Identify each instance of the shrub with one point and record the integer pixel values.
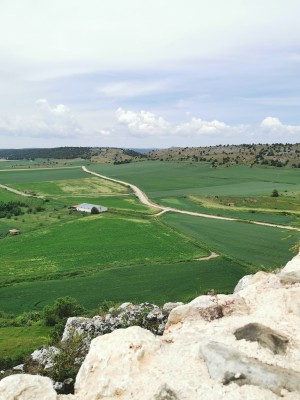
(275, 193)
(62, 308)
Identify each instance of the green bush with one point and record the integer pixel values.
(63, 308)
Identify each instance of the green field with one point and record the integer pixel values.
(200, 188)
(18, 340)
(91, 244)
(206, 206)
(157, 283)
(160, 179)
(126, 254)
(51, 174)
(259, 246)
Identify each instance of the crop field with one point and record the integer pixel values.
(18, 340)
(157, 283)
(161, 179)
(91, 244)
(40, 175)
(126, 255)
(72, 187)
(261, 247)
(200, 188)
(207, 206)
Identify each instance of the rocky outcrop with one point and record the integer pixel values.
(146, 315)
(241, 346)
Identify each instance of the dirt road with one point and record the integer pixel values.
(145, 200)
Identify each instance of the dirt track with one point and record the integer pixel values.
(145, 200)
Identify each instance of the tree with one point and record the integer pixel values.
(275, 193)
(94, 210)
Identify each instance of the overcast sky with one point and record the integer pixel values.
(149, 73)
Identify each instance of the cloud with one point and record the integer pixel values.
(275, 128)
(46, 122)
(145, 123)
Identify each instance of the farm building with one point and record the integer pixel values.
(85, 207)
(14, 231)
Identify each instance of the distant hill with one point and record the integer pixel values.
(274, 155)
(102, 154)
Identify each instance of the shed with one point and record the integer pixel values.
(14, 232)
(86, 207)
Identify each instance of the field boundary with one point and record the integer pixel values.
(145, 200)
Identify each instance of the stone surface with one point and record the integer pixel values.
(44, 356)
(27, 387)
(147, 315)
(228, 365)
(291, 272)
(265, 336)
(242, 283)
(19, 367)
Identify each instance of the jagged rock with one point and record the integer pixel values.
(27, 387)
(19, 367)
(146, 315)
(166, 393)
(44, 356)
(228, 365)
(58, 387)
(242, 283)
(207, 308)
(168, 307)
(113, 373)
(265, 336)
(291, 272)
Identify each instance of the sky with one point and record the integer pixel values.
(141, 73)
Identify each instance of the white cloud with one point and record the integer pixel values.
(275, 128)
(143, 123)
(46, 122)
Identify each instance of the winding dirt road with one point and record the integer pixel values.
(145, 200)
(14, 191)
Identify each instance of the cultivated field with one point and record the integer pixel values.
(126, 253)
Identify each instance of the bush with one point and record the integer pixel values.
(63, 308)
(275, 193)
(68, 361)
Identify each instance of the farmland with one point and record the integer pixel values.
(208, 190)
(123, 252)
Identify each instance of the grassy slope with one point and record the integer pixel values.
(13, 177)
(260, 246)
(16, 340)
(156, 283)
(88, 245)
(159, 179)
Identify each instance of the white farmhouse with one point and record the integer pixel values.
(86, 207)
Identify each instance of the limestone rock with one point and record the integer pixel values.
(265, 336)
(229, 365)
(146, 315)
(27, 387)
(44, 356)
(168, 307)
(242, 283)
(19, 367)
(291, 272)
